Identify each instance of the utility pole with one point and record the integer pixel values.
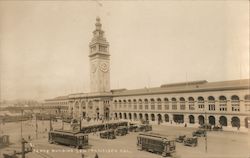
(206, 131)
(62, 122)
(36, 128)
(50, 123)
(21, 124)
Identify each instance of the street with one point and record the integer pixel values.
(220, 144)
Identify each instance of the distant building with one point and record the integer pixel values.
(226, 103)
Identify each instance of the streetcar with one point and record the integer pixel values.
(156, 143)
(70, 138)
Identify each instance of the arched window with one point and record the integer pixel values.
(201, 103)
(129, 104)
(247, 102)
(211, 103)
(83, 105)
(124, 104)
(135, 104)
(174, 104)
(166, 104)
(159, 107)
(182, 103)
(191, 103)
(146, 104)
(115, 103)
(140, 104)
(152, 103)
(223, 103)
(120, 104)
(235, 102)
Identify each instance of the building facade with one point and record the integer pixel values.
(226, 103)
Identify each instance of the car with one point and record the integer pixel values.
(121, 131)
(206, 126)
(180, 138)
(132, 128)
(109, 134)
(191, 141)
(199, 133)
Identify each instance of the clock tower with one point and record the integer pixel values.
(99, 60)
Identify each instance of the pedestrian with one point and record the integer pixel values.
(96, 156)
(82, 155)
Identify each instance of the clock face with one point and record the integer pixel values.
(93, 68)
(104, 67)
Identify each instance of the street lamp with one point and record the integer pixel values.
(205, 130)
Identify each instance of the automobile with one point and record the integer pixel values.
(133, 128)
(121, 131)
(144, 128)
(206, 126)
(191, 141)
(199, 133)
(217, 128)
(180, 138)
(109, 134)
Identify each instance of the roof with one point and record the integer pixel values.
(194, 86)
(67, 132)
(182, 87)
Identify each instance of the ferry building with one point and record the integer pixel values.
(226, 103)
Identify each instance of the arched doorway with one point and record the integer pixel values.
(116, 115)
(106, 113)
(178, 118)
(146, 117)
(211, 120)
(223, 121)
(152, 117)
(125, 116)
(159, 119)
(166, 118)
(235, 121)
(201, 119)
(247, 122)
(135, 116)
(191, 119)
(130, 116)
(97, 113)
(140, 116)
(120, 115)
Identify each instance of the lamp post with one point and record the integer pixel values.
(21, 124)
(205, 130)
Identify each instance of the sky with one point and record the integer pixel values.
(44, 44)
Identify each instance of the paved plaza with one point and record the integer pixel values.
(223, 144)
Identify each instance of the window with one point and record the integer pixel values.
(191, 103)
(182, 103)
(235, 102)
(223, 103)
(247, 102)
(201, 103)
(146, 104)
(166, 104)
(174, 104)
(211, 103)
